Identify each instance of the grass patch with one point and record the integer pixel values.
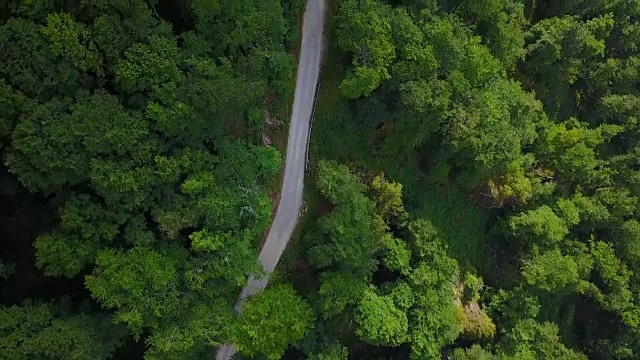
(461, 223)
(335, 134)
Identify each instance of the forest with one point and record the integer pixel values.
(472, 193)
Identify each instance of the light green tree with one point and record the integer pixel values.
(271, 321)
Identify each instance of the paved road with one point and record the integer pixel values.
(291, 198)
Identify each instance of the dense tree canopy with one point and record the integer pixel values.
(138, 133)
(512, 126)
(472, 193)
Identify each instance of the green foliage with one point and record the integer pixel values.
(563, 46)
(40, 331)
(540, 226)
(501, 24)
(190, 333)
(339, 290)
(333, 352)
(461, 224)
(397, 255)
(433, 320)
(145, 67)
(551, 271)
(569, 148)
(44, 153)
(472, 287)
(629, 244)
(336, 182)
(509, 307)
(30, 65)
(7, 269)
(137, 136)
(246, 24)
(352, 233)
(140, 284)
(477, 325)
(52, 148)
(475, 352)
(537, 123)
(364, 29)
(225, 264)
(72, 41)
(516, 145)
(501, 119)
(417, 306)
(388, 198)
(615, 277)
(513, 185)
(271, 321)
(379, 321)
(530, 339)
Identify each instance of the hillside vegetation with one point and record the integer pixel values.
(135, 180)
(473, 191)
(477, 179)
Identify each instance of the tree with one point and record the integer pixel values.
(122, 183)
(563, 46)
(379, 321)
(615, 277)
(364, 29)
(106, 127)
(246, 24)
(510, 307)
(53, 145)
(423, 236)
(72, 41)
(29, 63)
(514, 185)
(540, 226)
(191, 331)
(353, 230)
(333, 352)
(85, 228)
(501, 24)
(475, 352)
(529, 339)
(44, 154)
(137, 136)
(629, 244)
(501, 119)
(145, 67)
(388, 198)
(433, 323)
(336, 182)
(432, 319)
(35, 330)
(271, 321)
(12, 104)
(339, 290)
(141, 285)
(551, 271)
(223, 264)
(397, 256)
(569, 149)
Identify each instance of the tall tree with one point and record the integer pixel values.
(271, 321)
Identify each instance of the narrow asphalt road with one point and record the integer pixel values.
(291, 197)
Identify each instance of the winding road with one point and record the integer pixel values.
(292, 186)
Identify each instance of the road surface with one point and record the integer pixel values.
(291, 197)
